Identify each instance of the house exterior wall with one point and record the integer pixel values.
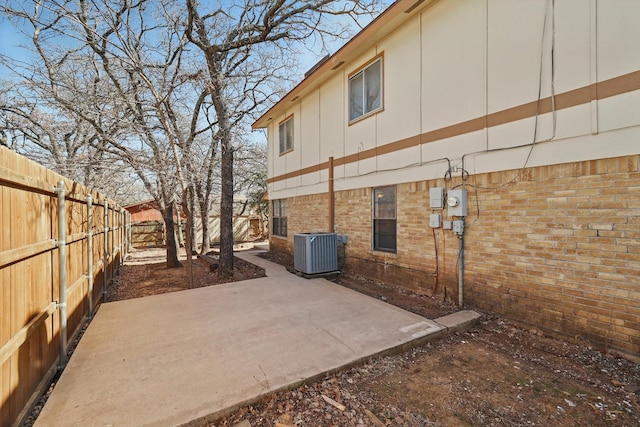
(453, 93)
(559, 249)
(470, 86)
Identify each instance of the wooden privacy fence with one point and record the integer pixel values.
(60, 246)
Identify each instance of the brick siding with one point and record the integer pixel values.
(556, 248)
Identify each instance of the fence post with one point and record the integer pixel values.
(121, 228)
(128, 231)
(62, 253)
(90, 252)
(106, 250)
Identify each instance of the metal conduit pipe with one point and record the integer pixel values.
(461, 270)
(106, 251)
(62, 254)
(90, 252)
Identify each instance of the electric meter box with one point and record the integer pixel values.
(436, 198)
(457, 202)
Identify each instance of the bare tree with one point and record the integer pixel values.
(128, 69)
(251, 173)
(122, 69)
(62, 142)
(244, 47)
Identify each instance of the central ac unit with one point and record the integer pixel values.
(315, 253)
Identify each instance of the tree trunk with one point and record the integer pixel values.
(179, 236)
(203, 204)
(172, 249)
(226, 207)
(188, 208)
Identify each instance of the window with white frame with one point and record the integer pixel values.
(384, 219)
(285, 131)
(279, 218)
(365, 90)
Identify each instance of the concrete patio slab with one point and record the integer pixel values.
(186, 357)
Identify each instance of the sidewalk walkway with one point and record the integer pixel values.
(186, 357)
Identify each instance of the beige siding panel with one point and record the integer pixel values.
(453, 63)
(615, 143)
(333, 99)
(361, 136)
(324, 181)
(574, 121)
(514, 39)
(513, 134)
(620, 111)
(276, 186)
(453, 148)
(293, 182)
(272, 154)
(618, 21)
(310, 179)
(309, 140)
(409, 157)
(360, 168)
(401, 116)
(572, 45)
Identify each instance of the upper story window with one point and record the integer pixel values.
(285, 132)
(365, 90)
(384, 219)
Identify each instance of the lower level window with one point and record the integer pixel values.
(279, 218)
(384, 219)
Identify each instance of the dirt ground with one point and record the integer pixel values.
(496, 374)
(145, 273)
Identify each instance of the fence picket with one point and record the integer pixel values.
(30, 334)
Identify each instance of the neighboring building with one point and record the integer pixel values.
(454, 94)
(144, 211)
(148, 225)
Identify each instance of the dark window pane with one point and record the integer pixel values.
(279, 218)
(384, 234)
(384, 218)
(285, 135)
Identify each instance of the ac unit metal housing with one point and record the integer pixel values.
(315, 253)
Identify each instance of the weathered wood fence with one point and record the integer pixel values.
(60, 246)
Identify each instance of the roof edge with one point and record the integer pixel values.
(336, 60)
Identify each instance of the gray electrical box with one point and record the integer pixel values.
(435, 220)
(457, 202)
(458, 226)
(447, 225)
(436, 198)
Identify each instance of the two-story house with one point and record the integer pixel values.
(488, 149)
